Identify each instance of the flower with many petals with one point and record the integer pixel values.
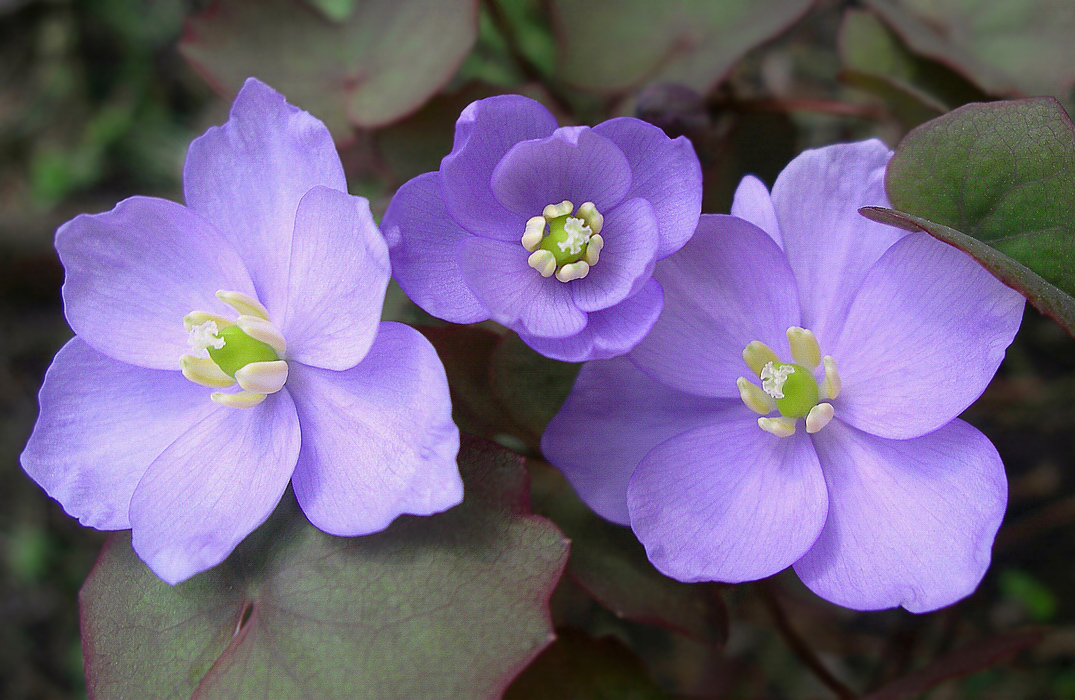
(552, 232)
(231, 346)
(796, 402)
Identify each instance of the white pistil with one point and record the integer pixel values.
(757, 354)
(204, 336)
(593, 218)
(535, 231)
(819, 416)
(578, 235)
(781, 427)
(196, 318)
(242, 399)
(543, 261)
(773, 378)
(555, 211)
(830, 387)
(593, 250)
(262, 377)
(804, 347)
(754, 398)
(202, 370)
(243, 304)
(573, 271)
(260, 329)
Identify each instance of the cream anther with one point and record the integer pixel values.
(204, 336)
(242, 399)
(754, 398)
(202, 370)
(543, 261)
(830, 387)
(573, 271)
(243, 304)
(773, 379)
(819, 417)
(757, 354)
(535, 231)
(804, 347)
(781, 427)
(260, 329)
(196, 318)
(554, 211)
(262, 377)
(593, 218)
(593, 249)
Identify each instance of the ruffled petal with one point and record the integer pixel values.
(102, 423)
(422, 240)
(911, 522)
(339, 273)
(134, 272)
(212, 486)
(575, 164)
(377, 439)
(630, 237)
(728, 501)
(667, 174)
(247, 177)
(484, 132)
(728, 286)
(753, 203)
(829, 244)
(608, 332)
(922, 339)
(514, 293)
(614, 415)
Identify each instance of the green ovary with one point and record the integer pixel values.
(566, 247)
(800, 391)
(239, 350)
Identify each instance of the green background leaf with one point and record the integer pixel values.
(382, 61)
(448, 606)
(613, 46)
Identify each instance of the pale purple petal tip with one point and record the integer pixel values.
(911, 522)
(728, 501)
(425, 259)
(212, 486)
(378, 439)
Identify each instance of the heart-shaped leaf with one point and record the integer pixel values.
(377, 62)
(447, 606)
(1002, 173)
(613, 46)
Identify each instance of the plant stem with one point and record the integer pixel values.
(799, 646)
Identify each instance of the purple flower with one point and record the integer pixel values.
(552, 232)
(858, 345)
(272, 278)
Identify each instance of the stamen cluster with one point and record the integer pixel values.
(564, 244)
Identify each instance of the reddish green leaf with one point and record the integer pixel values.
(609, 563)
(1002, 173)
(614, 46)
(530, 386)
(1008, 47)
(447, 606)
(578, 667)
(382, 60)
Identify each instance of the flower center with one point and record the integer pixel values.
(246, 352)
(565, 243)
(790, 388)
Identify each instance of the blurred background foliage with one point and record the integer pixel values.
(100, 98)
